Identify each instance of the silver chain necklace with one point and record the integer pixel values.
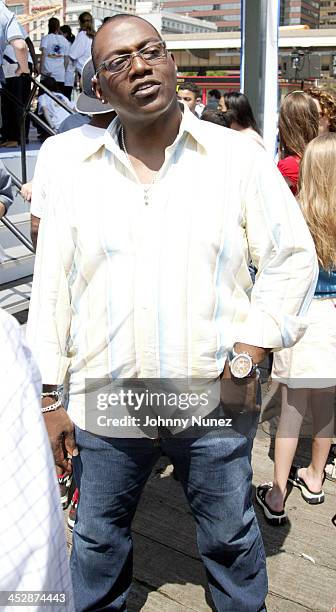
(145, 189)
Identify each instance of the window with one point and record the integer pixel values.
(231, 17)
(202, 7)
(17, 9)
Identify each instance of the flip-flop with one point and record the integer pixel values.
(330, 467)
(330, 470)
(273, 517)
(311, 497)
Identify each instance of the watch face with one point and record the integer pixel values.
(241, 365)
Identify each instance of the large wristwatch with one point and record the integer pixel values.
(241, 365)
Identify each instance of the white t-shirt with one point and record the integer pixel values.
(80, 50)
(69, 77)
(56, 113)
(56, 48)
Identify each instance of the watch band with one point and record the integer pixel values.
(233, 353)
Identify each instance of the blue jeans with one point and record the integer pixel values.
(215, 473)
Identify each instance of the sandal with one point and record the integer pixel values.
(330, 471)
(273, 517)
(311, 497)
(330, 468)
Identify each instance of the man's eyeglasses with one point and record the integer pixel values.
(151, 54)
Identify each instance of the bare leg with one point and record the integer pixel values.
(293, 408)
(322, 404)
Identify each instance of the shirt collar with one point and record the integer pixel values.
(94, 140)
(190, 124)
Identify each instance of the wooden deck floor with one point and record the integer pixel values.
(169, 576)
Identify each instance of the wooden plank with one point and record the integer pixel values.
(163, 506)
(144, 598)
(295, 578)
(156, 522)
(275, 603)
(180, 578)
(170, 577)
(297, 539)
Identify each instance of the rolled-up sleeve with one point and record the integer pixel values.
(283, 252)
(49, 313)
(13, 30)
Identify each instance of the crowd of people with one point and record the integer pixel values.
(132, 283)
(60, 67)
(307, 156)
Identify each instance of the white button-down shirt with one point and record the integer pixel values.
(56, 157)
(128, 289)
(33, 553)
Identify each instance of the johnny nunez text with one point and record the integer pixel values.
(158, 421)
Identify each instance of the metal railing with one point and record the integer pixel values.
(11, 226)
(16, 232)
(26, 111)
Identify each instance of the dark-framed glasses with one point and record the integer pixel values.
(151, 54)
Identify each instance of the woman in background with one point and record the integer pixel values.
(69, 76)
(67, 33)
(307, 371)
(298, 125)
(240, 116)
(80, 50)
(326, 107)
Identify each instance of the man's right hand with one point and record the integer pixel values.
(27, 190)
(61, 432)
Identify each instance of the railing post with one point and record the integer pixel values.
(18, 234)
(26, 109)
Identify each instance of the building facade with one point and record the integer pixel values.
(172, 23)
(19, 7)
(328, 14)
(99, 9)
(225, 14)
(300, 12)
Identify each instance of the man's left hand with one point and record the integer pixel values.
(239, 394)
